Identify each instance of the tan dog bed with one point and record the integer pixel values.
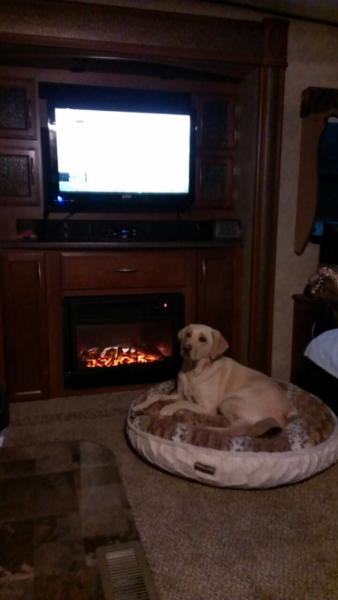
(196, 446)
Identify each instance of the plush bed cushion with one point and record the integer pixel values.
(323, 351)
(197, 447)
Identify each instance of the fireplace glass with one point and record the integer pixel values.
(114, 340)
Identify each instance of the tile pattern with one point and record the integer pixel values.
(58, 503)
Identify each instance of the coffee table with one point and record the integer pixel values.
(59, 502)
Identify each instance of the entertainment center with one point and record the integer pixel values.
(138, 177)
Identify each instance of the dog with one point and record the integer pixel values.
(210, 383)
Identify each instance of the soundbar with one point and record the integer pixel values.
(66, 230)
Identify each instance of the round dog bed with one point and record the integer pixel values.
(197, 447)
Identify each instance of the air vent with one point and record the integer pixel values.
(124, 572)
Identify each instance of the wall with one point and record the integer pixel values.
(312, 61)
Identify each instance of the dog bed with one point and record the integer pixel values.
(197, 447)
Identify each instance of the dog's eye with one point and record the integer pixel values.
(188, 334)
(202, 338)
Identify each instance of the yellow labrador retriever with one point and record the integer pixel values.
(210, 383)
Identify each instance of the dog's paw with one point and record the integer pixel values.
(168, 410)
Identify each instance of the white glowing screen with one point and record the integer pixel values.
(122, 152)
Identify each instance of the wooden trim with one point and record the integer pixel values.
(55, 323)
(264, 229)
(140, 32)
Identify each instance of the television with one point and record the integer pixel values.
(117, 150)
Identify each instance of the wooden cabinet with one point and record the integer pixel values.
(35, 284)
(123, 270)
(218, 293)
(216, 182)
(215, 144)
(19, 177)
(17, 109)
(216, 121)
(25, 324)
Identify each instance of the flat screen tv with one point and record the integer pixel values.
(117, 149)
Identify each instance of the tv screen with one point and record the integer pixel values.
(125, 152)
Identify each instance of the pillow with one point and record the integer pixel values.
(323, 351)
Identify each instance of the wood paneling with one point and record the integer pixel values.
(25, 329)
(123, 270)
(219, 292)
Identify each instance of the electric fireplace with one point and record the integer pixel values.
(122, 339)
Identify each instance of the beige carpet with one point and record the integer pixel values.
(204, 543)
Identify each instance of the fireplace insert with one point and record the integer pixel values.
(121, 339)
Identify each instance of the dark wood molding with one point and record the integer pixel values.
(142, 33)
(264, 229)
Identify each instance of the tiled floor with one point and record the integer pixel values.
(58, 503)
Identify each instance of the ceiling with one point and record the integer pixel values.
(322, 11)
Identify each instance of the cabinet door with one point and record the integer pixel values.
(215, 143)
(219, 299)
(215, 182)
(216, 121)
(17, 109)
(25, 324)
(18, 176)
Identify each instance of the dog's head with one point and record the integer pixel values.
(201, 341)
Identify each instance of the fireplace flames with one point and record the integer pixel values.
(117, 356)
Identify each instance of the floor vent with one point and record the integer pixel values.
(124, 572)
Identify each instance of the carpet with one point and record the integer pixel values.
(205, 543)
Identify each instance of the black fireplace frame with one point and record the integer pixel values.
(74, 377)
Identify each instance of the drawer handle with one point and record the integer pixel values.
(127, 270)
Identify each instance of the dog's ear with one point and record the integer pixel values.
(219, 345)
(182, 332)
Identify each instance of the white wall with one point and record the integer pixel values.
(312, 61)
